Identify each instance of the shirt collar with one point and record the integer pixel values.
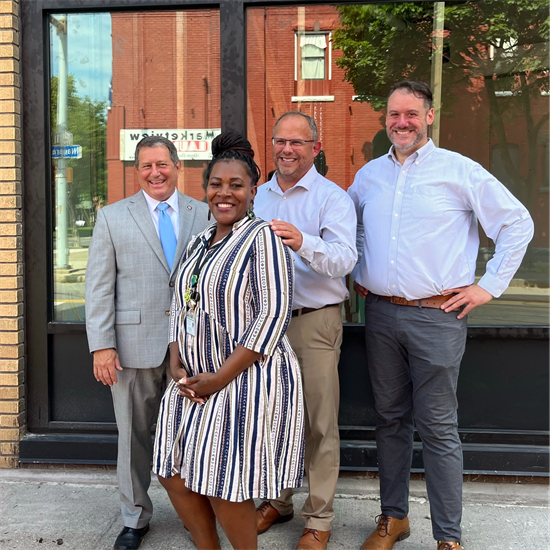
(209, 231)
(306, 182)
(171, 201)
(417, 156)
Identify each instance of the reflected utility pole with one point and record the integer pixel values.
(63, 138)
(437, 66)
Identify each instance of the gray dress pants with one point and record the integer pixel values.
(413, 357)
(136, 398)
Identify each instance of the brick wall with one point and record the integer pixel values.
(12, 405)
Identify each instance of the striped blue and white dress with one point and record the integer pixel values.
(247, 440)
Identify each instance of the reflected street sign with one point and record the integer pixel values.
(67, 152)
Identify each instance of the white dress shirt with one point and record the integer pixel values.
(173, 211)
(418, 233)
(325, 216)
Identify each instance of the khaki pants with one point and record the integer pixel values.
(316, 339)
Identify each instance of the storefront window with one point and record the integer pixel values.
(112, 82)
(487, 62)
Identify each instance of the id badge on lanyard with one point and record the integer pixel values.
(191, 296)
(190, 323)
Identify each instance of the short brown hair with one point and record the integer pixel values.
(419, 89)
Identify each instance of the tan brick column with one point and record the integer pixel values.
(12, 404)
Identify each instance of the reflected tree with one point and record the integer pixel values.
(490, 47)
(88, 124)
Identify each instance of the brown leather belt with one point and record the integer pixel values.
(304, 310)
(432, 301)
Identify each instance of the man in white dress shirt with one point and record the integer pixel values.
(134, 254)
(316, 219)
(417, 209)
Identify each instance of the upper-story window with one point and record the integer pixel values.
(312, 73)
(313, 56)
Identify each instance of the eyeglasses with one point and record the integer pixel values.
(294, 143)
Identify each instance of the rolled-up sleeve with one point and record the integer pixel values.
(271, 281)
(333, 253)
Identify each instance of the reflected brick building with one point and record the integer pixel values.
(176, 55)
(181, 73)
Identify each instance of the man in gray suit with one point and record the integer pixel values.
(133, 258)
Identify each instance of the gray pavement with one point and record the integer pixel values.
(79, 509)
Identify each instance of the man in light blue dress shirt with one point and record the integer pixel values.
(418, 209)
(316, 219)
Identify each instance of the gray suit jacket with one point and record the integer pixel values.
(128, 282)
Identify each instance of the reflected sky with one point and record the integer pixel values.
(89, 46)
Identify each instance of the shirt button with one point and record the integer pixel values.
(403, 172)
(399, 192)
(396, 215)
(172, 283)
(167, 313)
(393, 286)
(393, 238)
(392, 262)
(416, 163)
(284, 198)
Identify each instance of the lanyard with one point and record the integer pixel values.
(191, 295)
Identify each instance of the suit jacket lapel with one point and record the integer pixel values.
(187, 217)
(140, 212)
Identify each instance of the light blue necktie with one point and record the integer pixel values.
(166, 233)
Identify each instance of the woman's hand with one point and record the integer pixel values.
(204, 384)
(179, 375)
(200, 387)
(188, 393)
(208, 383)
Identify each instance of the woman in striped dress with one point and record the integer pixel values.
(230, 426)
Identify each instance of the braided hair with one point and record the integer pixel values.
(232, 146)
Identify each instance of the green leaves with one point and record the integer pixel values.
(384, 43)
(87, 120)
(494, 51)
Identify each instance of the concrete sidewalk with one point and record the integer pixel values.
(79, 509)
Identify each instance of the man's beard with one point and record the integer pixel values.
(420, 136)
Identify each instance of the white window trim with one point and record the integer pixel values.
(297, 51)
(310, 98)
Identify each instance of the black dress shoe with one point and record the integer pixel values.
(130, 539)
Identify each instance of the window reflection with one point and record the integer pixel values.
(80, 82)
(487, 62)
(112, 82)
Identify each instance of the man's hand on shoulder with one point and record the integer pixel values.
(106, 363)
(290, 235)
(470, 296)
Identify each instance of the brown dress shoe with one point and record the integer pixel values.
(388, 531)
(313, 539)
(442, 545)
(266, 516)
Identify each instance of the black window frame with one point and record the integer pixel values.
(36, 142)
